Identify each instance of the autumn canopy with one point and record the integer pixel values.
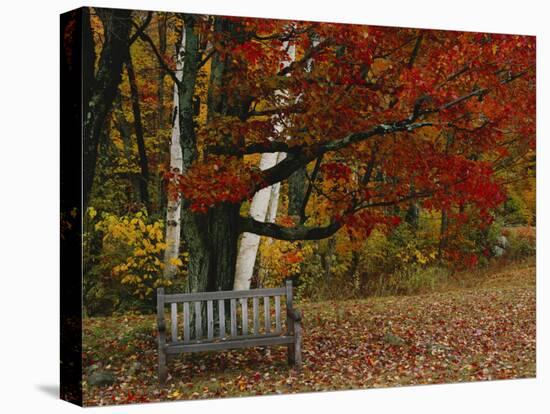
(365, 123)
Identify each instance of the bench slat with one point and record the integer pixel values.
(222, 294)
(235, 338)
(277, 314)
(174, 321)
(233, 317)
(210, 319)
(186, 319)
(198, 320)
(244, 306)
(256, 315)
(267, 315)
(231, 344)
(221, 311)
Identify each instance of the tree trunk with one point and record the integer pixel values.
(126, 134)
(327, 262)
(250, 242)
(161, 27)
(274, 197)
(173, 209)
(138, 128)
(449, 139)
(248, 249)
(211, 238)
(296, 192)
(116, 24)
(412, 215)
(443, 233)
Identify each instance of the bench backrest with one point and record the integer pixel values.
(215, 306)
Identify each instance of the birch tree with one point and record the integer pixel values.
(263, 208)
(173, 209)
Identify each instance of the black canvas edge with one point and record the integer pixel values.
(71, 207)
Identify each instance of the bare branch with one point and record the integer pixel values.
(250, 225)
(141, 28)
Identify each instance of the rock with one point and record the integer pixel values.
(393, 339)
(498, 251)
(502, 241)
(98, 379)
(92, 368)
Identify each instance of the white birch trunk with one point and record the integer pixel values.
(274, 197)
(248, 248)
(173, 210)
(263, 208)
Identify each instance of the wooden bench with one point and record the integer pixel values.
(216, 337)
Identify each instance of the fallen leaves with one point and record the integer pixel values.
(481, 333)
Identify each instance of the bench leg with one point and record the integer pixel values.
(297, 351)
(291, 354)
(163, 371)
(290, 347)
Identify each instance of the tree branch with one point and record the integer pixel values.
(146, 38)
(415, 50)
(305, 58)
(250, 225)
(141, 28)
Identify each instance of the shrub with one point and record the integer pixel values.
(522, 242)
(128, 266)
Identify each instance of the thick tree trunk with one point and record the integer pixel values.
(173, 209)
(116, 24)
(211, 238)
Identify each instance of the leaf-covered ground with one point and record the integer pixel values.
(469, 334)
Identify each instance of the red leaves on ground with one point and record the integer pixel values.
(483, 333)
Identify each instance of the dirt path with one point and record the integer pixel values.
(481, 333)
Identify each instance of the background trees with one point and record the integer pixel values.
(396, 140)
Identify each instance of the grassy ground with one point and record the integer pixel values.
(480, 328)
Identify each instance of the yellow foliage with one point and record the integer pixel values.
(280, 259)
(138, 246)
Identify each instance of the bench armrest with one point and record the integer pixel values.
(295, 314)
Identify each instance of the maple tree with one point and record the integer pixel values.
(372, 120)
(378, 103)
(401, 155)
